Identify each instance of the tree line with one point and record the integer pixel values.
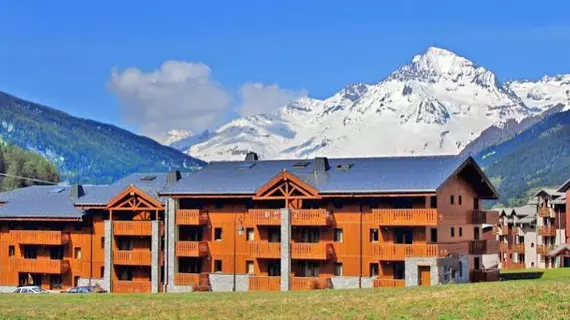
(15, 161)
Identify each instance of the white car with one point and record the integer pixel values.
(30, 289)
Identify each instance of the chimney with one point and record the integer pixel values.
(251, 156)
(172, 177)
(320, 165)
(76, 191)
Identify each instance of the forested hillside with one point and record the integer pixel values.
(537, 157)
(17, 162)
(84, 151)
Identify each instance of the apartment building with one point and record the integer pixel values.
(257, 225)
(529, 234)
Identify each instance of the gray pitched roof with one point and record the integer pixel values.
(550, 192)
(346, 175)
(42, 201)
(149, 183)
(565, 186)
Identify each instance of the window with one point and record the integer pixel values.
(56, 253)
(477, 263)
(338, 204)
(452, 231)
(217, 265)
(249, 267)
(460, 231)
(77, 253)
(532, 264)
(274, 268)
(338, 235)
(452, 199)
(475, 203)
(102, 272)
(433, 235)
(218, 234)
(30, 252)
(77, 227)
(338, 269)
(433, 202)
(460, 267)
(102, 242)
(250, 234)
(373, 269)
(460, 200)
(532, 244)
(373, 235)
(11, 251)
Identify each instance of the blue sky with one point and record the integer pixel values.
(63, 53)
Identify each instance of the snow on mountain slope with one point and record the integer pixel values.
(176, 135)
(546, 93)
(436, 104)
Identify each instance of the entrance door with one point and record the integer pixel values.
(424, 274)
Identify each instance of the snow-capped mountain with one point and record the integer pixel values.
(176, 135)
(436, 104)
(545, 93)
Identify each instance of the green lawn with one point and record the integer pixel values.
(545, 298)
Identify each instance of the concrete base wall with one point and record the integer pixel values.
(7, 289)
(411, 270)
(82, 282)
(224, 282)
(367, 282)
(351, 282)
(179, 289)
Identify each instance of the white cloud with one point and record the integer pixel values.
(178, 95)
(259, 98)
(183, 95)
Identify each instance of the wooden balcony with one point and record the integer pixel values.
(389, 283)
(395, 252)
(187, 279)
(299, 217)
(405, 217)
(192, 217)
(264, 250)
(498, 230)
(46, 266)
(120, 286)
(42, 237)
(546, 213)
(547, 231)
(311, 217)
(132, 228)
(544, 249)
(132, 258)
(485, 217)
(517, 247)
(191, 249)
(263, 283)
(312, 251)
(484, 247)
(308, 283)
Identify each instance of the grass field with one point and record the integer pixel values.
(545, 298)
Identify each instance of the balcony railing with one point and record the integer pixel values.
(307, 283)
(192, 217)
(261, 283)
(186, 279)
(512, 265)
(547, 231)
(132, 228)
(544, 249)
(405, 217)
(46, 266)
(132, 258)
(485, 217)
(43, 237)
(383, 251)
(484, 247)
(503, 247)
(299, 217)
(191, 249)
(498, 230)
(264, 250)
(545, 212)
(517, 247)
(120, 286)
(389, 283)
(311, 251)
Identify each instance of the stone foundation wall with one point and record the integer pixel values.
(224, 282)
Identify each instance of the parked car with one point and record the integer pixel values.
(30, 289)
(86, 289)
